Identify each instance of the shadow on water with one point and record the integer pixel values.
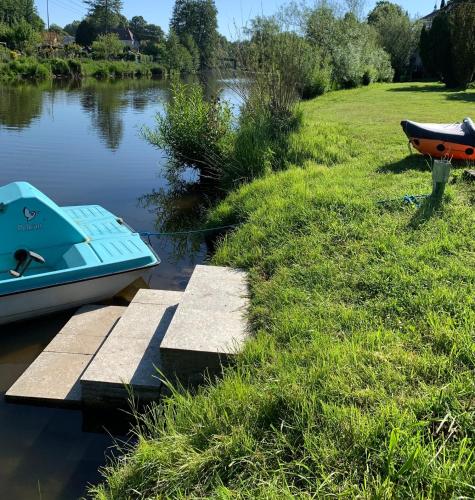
(43, 452)
(179, 209)
(410, 163)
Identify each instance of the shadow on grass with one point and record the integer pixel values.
(462, 97)
(452, 94)
(430, 207)
(429, 87)
(413, 162)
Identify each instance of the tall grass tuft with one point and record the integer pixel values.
(194, 133)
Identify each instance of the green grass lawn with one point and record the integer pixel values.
(360, 379)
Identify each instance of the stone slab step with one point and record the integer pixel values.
(209, 327)
(53, 378)
(129, 358)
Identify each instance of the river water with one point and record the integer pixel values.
(79, 144)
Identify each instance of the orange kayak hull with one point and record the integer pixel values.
(438, 140)
(442, 149)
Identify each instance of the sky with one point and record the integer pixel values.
(231, 13)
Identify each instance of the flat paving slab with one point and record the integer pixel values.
(130, 357)
(53, 378)
(210, 324)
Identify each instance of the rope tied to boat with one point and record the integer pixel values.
(149, 235)
(408, 199)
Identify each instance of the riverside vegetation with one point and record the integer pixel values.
(108, 45)
(359, 379)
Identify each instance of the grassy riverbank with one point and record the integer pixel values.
(29, 69)
(360, 379)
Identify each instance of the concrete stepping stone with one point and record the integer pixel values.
(209, 326)
(53, 378)
(129, 358)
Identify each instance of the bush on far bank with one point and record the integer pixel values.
(16, 69)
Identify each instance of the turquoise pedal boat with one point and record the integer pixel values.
(54, 258)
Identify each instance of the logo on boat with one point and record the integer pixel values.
(29, 214)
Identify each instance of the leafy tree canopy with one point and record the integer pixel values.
(14, 11)
(448, 48)
(85, 33)
(54, 28)
(105, 14)
(144, 31)
(398, 35)
(197, 18)
(72, 28)
(384, 9)
(107, 46)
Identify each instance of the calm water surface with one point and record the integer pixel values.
(79, 146)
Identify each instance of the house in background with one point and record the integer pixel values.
(127, 38)
(429, 19)
(50, 39)
(68, 40)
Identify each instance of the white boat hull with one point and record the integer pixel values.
(34, 303)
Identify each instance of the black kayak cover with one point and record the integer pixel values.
(458, 133)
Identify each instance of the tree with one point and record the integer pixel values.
(442, 4)
(349, 50)
(85, 33)
(138, 26)
(322, 30)
(356, 7)
(383, 9)
(462, 23)
(14, 11)
(72, 28)
(105, 14)
(178, 57)
(20, 36)
(144, 31)
(397, 33)
(157, 50)
(426, 51)
(193, 50)
(436, 49)
(197, 18)
(54, 28)
(107, 46)
(154, 33)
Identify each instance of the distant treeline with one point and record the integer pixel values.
(340, 47)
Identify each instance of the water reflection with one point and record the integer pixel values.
(105, 102)
(80, 144)
(177, 209)
(19, 106)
